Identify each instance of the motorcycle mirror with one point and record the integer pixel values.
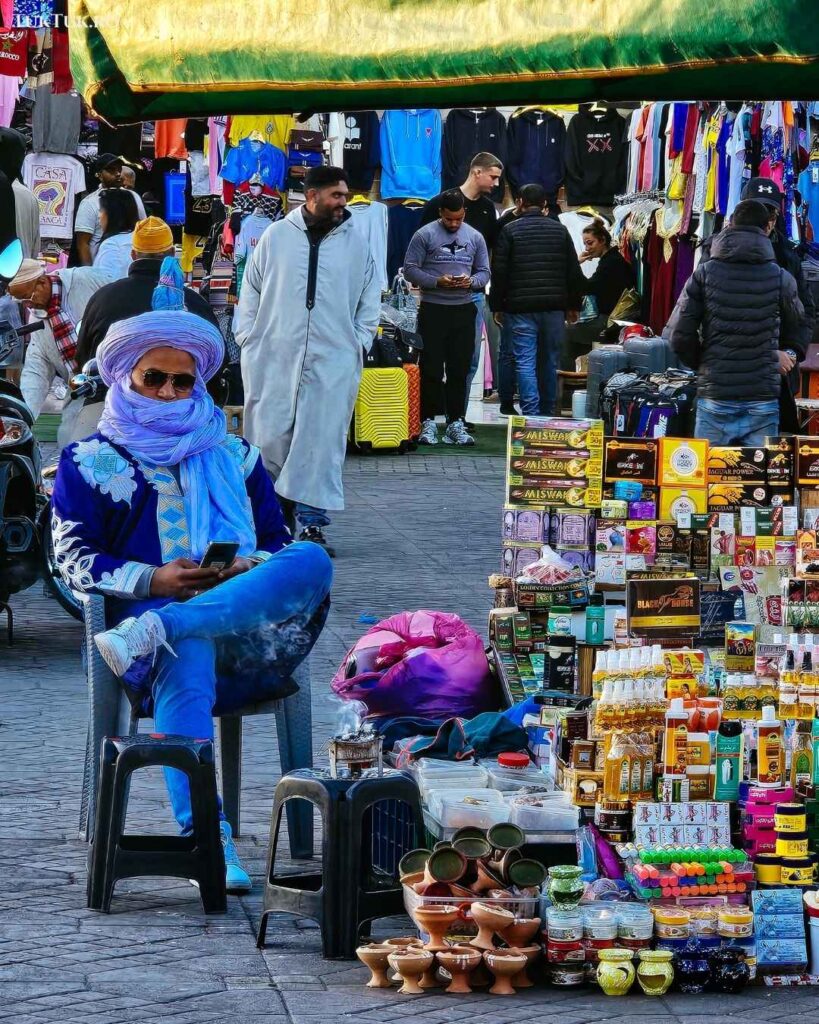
(77, 380)
(10, 259)
(90, 368)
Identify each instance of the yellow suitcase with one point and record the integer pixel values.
(381, 415)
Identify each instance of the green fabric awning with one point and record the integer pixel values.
(145, 59)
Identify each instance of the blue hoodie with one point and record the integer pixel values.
(410, 154)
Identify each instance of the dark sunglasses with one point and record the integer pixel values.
(158, 378)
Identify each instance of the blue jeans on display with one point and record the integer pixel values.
(235, 644)
(308, 515)
(537, 341)
(737, 423)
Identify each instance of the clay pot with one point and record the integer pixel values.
(504, 964)
(442, 844)
(468, 832)
(402, 942)
(486, 879)
(411, 964)
(522, 979)
(440, 890)
(526, 872)
(472, 847)
(521, 931)
(459, 961)
(654, 971)
(374, 955)
(413, 879)
(501, 867)
(445, 865)
(415, 860)
(490, 921)
(436, 921)
(729, 971)
(505, 836)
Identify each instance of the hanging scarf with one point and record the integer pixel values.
(188, 433)
(62, 326)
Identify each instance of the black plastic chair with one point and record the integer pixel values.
(115, 854)
(367, 825)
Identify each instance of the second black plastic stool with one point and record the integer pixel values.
(114, 855)
(346, 894)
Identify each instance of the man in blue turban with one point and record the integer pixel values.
(135, 507)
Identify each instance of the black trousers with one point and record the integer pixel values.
(448, 333)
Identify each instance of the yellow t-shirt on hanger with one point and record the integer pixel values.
(274, 128)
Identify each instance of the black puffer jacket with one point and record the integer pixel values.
(535, 267)
(729, 319)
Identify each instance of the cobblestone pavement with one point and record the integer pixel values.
(419, 532)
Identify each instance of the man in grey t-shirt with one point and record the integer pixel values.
(87, 227)
(448, 261)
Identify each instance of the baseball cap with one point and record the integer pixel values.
(105, 160)
(152, 235)
(764, 190)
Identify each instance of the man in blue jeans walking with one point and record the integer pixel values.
(737, 323)
(536, 284)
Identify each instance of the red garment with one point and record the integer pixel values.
(63, 80)
(641, 135)
(13, 52)
(691, 126)
(169, 138)
(663, 274)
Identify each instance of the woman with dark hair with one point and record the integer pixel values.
(611, 278)
(118, 218)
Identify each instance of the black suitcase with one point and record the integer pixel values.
(650, 355)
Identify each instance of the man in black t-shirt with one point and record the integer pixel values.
(485, 171)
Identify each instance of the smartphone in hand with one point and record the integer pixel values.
(219, 555)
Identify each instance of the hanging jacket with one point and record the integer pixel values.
(410, 154)
(596, 158)
(729, 320)
(535, 267)
(536, 141)
(467, 133)
(251, 157)
(361, 147)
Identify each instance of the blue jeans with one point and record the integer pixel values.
(308, 515)
(537, 340)
(506, 366)
(737, 423)
(234, 644)
(479, 298)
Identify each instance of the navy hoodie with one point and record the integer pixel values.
(537, 141)
(467, 133)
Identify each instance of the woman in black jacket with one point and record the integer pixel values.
(612, 276)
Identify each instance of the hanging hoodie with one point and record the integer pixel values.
(410, 154)
(467, 133)
(537, 139)
(361, 147)
(252, 157)
(597, 148)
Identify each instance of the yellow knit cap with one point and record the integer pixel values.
(152, 235)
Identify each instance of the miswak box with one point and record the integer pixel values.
(526, 432)
(566, 464)
(733, 497)
(663, 607)
(676, 500)
(630, 459)
(733, 464)
(574, 493)
(683, 462)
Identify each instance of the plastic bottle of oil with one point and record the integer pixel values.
(770, 754)
(802, 754)
(675, 741)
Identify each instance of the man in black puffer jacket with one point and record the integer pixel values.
(728, 324)
(536, 283)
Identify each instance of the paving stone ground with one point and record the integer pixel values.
(419, 531)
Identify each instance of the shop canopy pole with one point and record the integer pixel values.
(158, 59)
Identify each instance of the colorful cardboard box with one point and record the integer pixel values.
(683, 462)
(630, 459)
(676, 500)
(663, 607)
(734, 464)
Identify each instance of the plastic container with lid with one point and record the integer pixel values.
(634, 922)
(534, 814)
(768, 869)
(790, 818)
(599, 923)
(796, 871)
(672, 922)
(792, 844)
(564, 925)
(510, 772)
(735, 923)
(703, 920)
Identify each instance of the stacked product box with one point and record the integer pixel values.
(554, 462)
(682, 476)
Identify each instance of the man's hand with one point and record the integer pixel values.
(447, 281)
(465, 281)
(572, 316)
(498, 318)
(236, 568)
(786, 363)
(182, 579)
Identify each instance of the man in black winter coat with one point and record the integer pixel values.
(735, 312)
(536, 283)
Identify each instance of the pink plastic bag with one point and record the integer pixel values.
(426, 664)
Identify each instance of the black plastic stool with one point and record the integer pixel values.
(352, 888)
(114, 855)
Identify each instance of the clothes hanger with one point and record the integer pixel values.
(359, 199)
(414, 201)
(598, 108)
